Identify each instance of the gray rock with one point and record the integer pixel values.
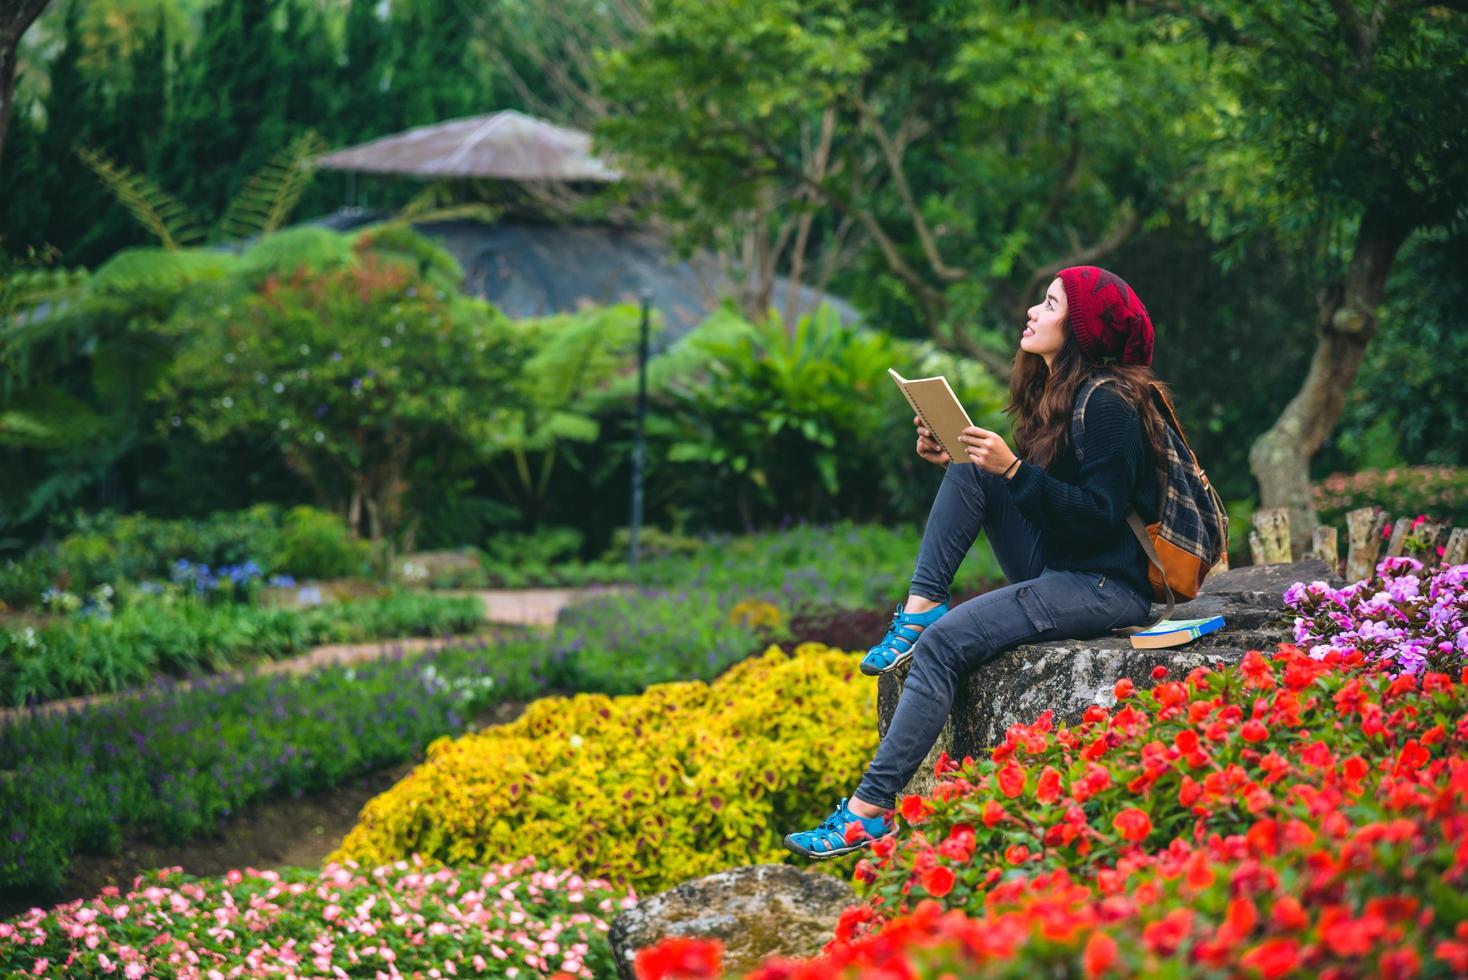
(1068, 676)
(755, 911)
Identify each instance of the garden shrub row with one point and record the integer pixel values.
(404, 919)
(1440, 492)
(110, 549)
(1304, 813)
(178, 635)
(652, 789)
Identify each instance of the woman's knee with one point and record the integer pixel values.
(942, 646)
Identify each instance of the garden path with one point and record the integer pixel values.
(502, 608)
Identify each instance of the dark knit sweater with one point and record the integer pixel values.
(1080, 509)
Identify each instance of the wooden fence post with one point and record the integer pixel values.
(1270, 539)
(1324, 545)
(1364, 528)
(1456, 550)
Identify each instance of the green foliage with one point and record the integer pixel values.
(105, 548)
(804, 421)
(176, 635)
(348, 373)
(315, 544)
(730, 96)
(1409, 403)
(561, 365)
(151, 206)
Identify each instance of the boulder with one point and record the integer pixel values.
(1068, 676)
(755, 911)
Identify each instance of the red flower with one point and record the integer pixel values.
(1165, 936)
(1170, 694)
(1186, 741)
(914, 808)
(677, 957)
(1159, 672)
(1048, 789)
(1016, 854)
(1133, 824)
(1100, 954)
(1273, 957)
(1189, 792)
(993, 813)
(1288, 914)
(938, 880)
(1012, 780)
(1124, 689)
(1242, 916)
(1254, 731)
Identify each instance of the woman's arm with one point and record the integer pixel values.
(1108, 473)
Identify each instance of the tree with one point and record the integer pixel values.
(953, 192)
(16, 17)
(349, 366)
(1345, 144)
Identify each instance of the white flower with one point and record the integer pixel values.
(279, 387)
(227, 402)
(387, 341)
(319, 436)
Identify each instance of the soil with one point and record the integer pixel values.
(282, 833)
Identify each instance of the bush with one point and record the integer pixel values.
(683, 780)
(315, 544)
(340, 921)
(1438, 491)
(107, 548)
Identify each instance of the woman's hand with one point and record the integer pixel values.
(927, 446)
(987, 449)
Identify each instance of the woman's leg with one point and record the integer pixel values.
(1054, 604)
(971, 499)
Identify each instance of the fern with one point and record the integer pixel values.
(154, 208)
(272, 192)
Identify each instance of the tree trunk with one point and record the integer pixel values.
(16, 17)
(1345, 324)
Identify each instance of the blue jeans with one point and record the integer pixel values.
(1039, 604)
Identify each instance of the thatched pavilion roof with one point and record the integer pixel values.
(507, 145)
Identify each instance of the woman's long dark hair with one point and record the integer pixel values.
(1041, 400)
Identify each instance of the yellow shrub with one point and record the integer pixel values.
(756, 614)
(647, 790)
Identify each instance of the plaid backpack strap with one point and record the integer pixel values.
(1078, 420)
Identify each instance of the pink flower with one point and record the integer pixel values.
(41, 965)
(134, 971)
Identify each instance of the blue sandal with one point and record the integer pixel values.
(896, 647)
(830, 838)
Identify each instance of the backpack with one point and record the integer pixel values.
(1190, 535)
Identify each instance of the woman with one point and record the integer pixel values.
(1057, 526)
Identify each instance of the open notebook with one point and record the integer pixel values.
(936, 404)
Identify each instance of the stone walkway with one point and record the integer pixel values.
(536, 608)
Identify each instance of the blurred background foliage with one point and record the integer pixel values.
(1032, 133)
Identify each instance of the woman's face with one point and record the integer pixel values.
(1047, 326)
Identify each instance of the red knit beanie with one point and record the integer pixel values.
(1106, 318)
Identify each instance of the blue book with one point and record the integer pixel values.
(1175, 632)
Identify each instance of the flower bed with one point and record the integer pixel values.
(103, 652)
(402, 919)
(1304, 814)
(683, 780)
(172, 763)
